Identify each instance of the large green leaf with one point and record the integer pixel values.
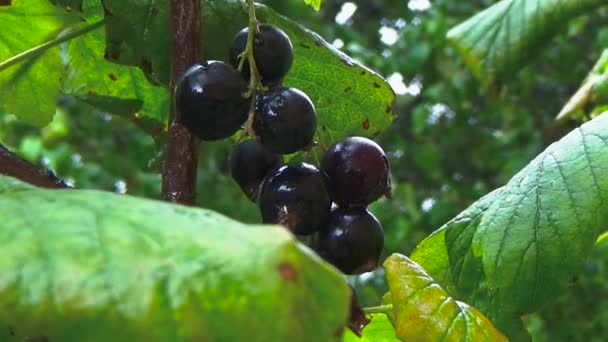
(87, 8)
(29, 89)
(518, 247)
(95, 266)
(425, 312)
(350, 99)
(498, 40)
(124, 89)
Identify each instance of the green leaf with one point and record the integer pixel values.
(499, 40)
(350, 99)
(84, 73)
(379, 329)
(316, 4)
(518, 247)
(80, 7)
(70, 5)
(115, 88)
(593, 91)
(83, 265)
(425, 312)
(29, 89)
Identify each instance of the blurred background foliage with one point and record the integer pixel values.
(451, 143)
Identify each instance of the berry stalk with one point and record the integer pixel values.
(384, 309)
(181, 158)
(255, 83)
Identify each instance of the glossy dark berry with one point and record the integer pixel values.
(273, 53)
(357, 172)
(209, 100)
(352, 240)
(295, 196)
(250, 162)
(285, 120)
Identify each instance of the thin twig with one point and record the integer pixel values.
(12, 165)
(179, 167)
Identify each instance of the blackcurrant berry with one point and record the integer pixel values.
(285, 120)
(352, 240)
(250, 162)
(273, 53)
(295, 196)
(357, 172)
(209, 100)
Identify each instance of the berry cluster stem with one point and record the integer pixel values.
(255, 82)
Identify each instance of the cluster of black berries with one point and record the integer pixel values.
(329, 203)
(211, 102)
(354, 172)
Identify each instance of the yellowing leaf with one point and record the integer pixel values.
(425, 312)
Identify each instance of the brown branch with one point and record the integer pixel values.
(12, 165)
(179, 167)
